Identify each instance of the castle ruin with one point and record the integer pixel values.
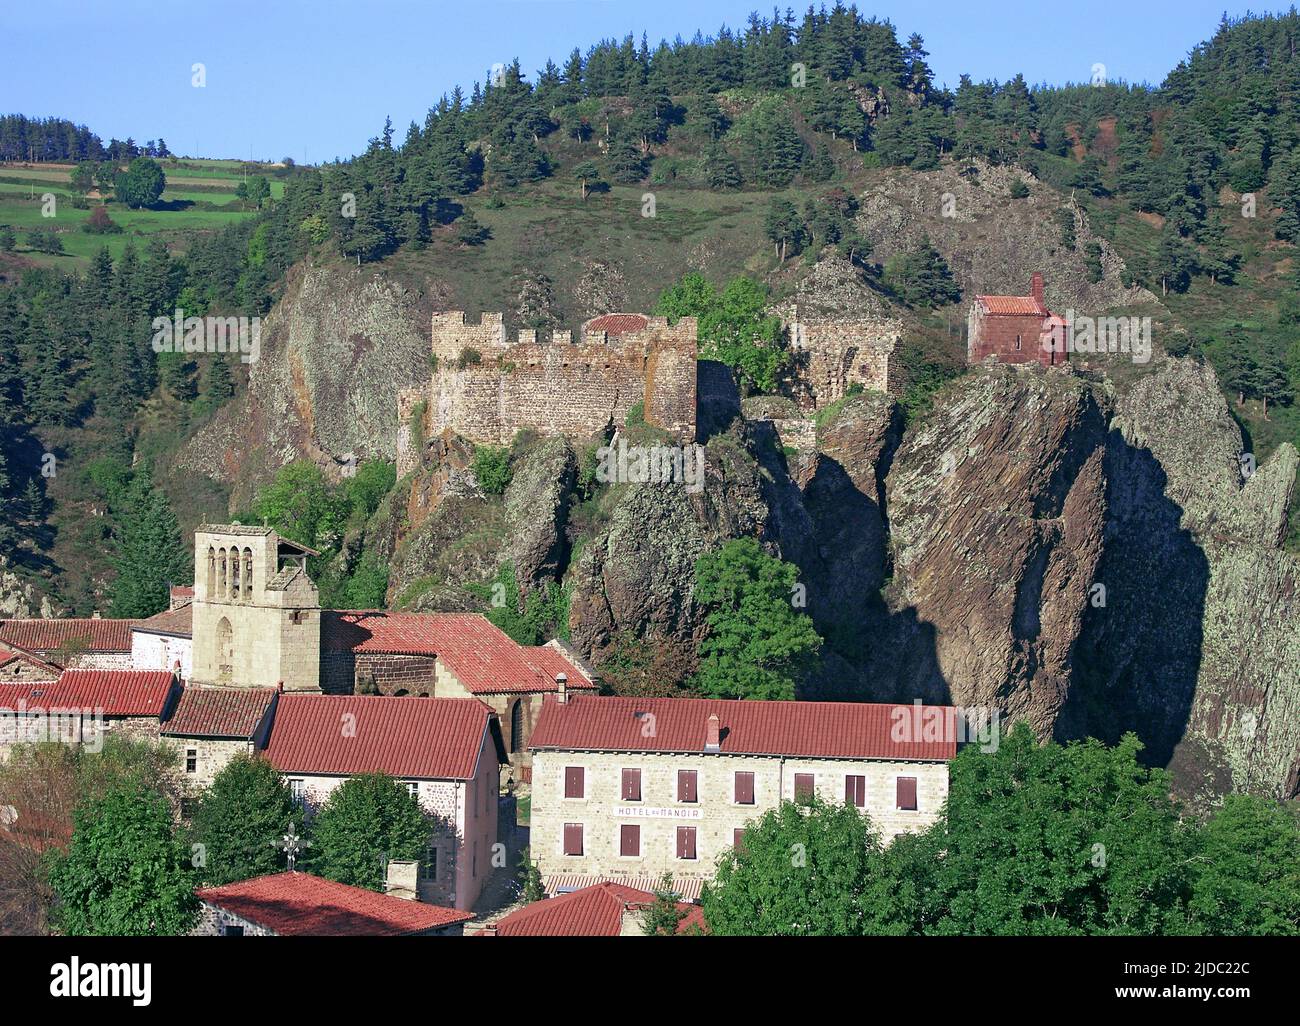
(486, 388)
(832, 355)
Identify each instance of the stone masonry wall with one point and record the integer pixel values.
(486, 388)
(832, 355)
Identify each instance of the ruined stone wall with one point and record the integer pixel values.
(832, 355)
(486, 389)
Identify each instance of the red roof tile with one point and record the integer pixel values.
(1015, 306)
(45, 635)
(482, 656)
(182, 591)
(618, 323)
(827, 730)
(177, 622)
(112, 692)
(595, 911)
(299, 904)
(219, 712)
(428, 738)
(13, 654)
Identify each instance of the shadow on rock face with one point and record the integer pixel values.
(1138, 656)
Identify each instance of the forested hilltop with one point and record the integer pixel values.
(763, 139)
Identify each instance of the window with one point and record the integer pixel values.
(298, 792)
(429, 867)
(855, 791)
(191, 760)
(686, 842)
(629, 840)
(412, 788)
(574, 782)
(744, 789)
(474, 863)
(231, 930)
(803, 786)
(906, 793)
(517, 727)
(738, 839)
(1017, 343)
(573, 838)
(686, 786)
(631, 785)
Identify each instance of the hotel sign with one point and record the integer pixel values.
(649, 812)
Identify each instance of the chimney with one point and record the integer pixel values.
(562, 688)
(401, 879)
(712, 739)
(1036, 288)
(280, 687)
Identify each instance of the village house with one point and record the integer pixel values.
(1014, 329)
(445, 751)
(85, 706)
(210, 726)
(165, 641)
(18, 665)
(84, 644)
(628, 789)
(296, 904)
(601, 910)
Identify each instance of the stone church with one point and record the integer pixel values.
(257, 623)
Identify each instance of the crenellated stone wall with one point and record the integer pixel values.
(487, 388)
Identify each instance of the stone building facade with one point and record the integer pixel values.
(633, 788)
(486, 387)
(1014, 329)
(256, 613)
(446, 752)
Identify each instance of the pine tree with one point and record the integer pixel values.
(150, 555)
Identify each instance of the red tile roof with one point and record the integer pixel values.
(112, 692)
(618, 323)
(825, 730)
(595, 911)
(482, 656)
(299, 904)
(1015, 306)
(13, 654)
(46, 635)
(219, 712)
(182, 591)
(427, 738)
(176, 622)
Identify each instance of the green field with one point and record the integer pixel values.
(200, 196)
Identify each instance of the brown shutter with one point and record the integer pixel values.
(855, 791)
(629, 839)
(803, 786)
(744, 788)
(686, 791)
(631, 785)
(686, 842)
(573, 838)
(574, 781)
(738, 839)
(906, 793)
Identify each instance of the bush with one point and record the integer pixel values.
(1019, 190)
(99, 223)
(492, 468)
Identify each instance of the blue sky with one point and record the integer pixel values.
(314, 80)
